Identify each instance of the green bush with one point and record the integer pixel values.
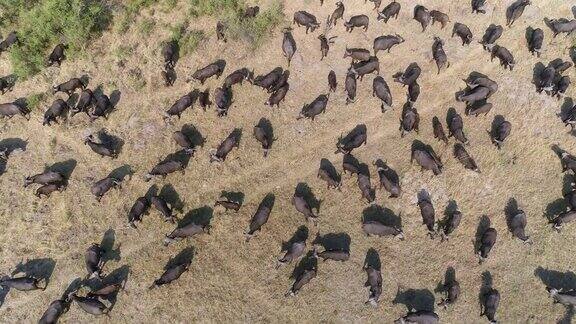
(10, 10)
(50, 22)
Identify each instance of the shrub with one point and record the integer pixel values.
(50, 22)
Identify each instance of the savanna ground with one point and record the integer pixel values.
(231, 280)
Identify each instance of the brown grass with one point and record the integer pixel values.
(230, 280)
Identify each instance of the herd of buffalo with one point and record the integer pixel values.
(476, 94)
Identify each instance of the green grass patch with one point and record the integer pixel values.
(34, 101)
(122, 52)
(146, 26)
(51, 22)
(190, 41)
(254, 30)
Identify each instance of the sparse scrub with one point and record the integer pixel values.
(168, 5)
(50, 22)
(146, 26)
(122, 52)
(253, 30)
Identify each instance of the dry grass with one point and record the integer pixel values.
(235, 281)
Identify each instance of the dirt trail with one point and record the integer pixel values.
(233, 280)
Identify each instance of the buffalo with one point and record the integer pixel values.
(427, 160)
(354, 139)
(102, 149)
(422, 15)
(487, 241)
(491, 300)
(421, 316)
(212, 69)
(500, 133)
(238, 76)
(260, 217)
(492, 34)
(163, 168)
(171, 274)
(410, 120)
(439, 130)
(332, 82)
(288, 45)
(465, 158)
(57, 55)
(381, 90)
(100, 188)
(386, 42)
(229, 143)
(503, 54)
(308, 20)
(463, 32)
(186, 231)
(374, 281)
(58, 109)
(439, 54)
(185, 102)
(409, 75)
(515, 11)
(338, 13)
(357, 21)
(170, 54)
(9, 110)
(535, 42)
(69, 86)
(315, 108)
(428, 214)
(137, 211)
(439, 16)
(93, 258)
(391, 10)
(561, 25)
(357, 54)
(456, 128)
(366, 67)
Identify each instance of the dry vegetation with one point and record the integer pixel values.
(230, 280)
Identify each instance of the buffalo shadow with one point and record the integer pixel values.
(171, 196)
(333, 241)
(308, 262)
(304, 191)
(415, 299)
(449, 280)
(301, 235)
(233, 196)
(200, 216)
(112, 141)
(66, 168)
(483, 225)
(107, 244)
(41, 268)
(193, 134)
(122, 172)
(381, 215)
(183, 257)
(372, 259)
